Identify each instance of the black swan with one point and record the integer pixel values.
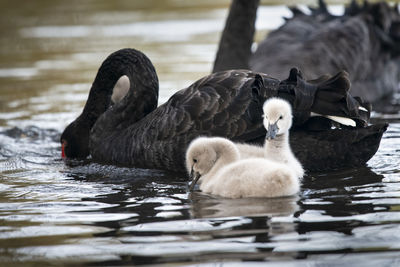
(365, 42)
(133, 132)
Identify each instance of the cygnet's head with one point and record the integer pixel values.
(277, 117)
(204, 152)
(200, 158)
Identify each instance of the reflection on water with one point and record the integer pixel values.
(56, 212)
(204, 206)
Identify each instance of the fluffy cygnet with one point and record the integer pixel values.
(247, 151)
(216, 163)
(277, 122)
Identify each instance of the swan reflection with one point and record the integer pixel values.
(206, 206)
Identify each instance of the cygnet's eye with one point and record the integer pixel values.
(280, 117)
(194, 160)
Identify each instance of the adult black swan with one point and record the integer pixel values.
(121, 124)
(365, 42)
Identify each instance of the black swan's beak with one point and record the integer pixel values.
(63, 145)
(194, 176)
(272, 131)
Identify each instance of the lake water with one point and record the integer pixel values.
(83, 213)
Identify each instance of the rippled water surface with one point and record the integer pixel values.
(54, 212)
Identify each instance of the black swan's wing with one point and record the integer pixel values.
(226, 104)
(324, 96)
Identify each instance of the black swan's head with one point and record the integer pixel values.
(75, 140)
(124, 70)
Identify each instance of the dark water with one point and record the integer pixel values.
(54, 212)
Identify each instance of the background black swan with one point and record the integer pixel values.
(365, 42)
(134, 132)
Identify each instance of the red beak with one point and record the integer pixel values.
(63, 150)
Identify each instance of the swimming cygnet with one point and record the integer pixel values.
(215, 163)
(277, 122)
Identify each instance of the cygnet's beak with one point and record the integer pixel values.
(272, 131)
(194, 176)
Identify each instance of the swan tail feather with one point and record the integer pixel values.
(328, 96)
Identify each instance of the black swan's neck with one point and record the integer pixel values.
(140, 100)
(142, 96)
(130, 62)
(142, 76)
(235, 45)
